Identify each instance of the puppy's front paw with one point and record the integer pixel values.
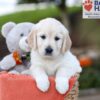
(62, 85)
(43, 84)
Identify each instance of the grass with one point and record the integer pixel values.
(90, 77)
(34, 15)
(30, 16)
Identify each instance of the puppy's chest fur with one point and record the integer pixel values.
(49, 65)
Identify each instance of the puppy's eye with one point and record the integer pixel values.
(43, 37)
(57, 38)
(21, 34)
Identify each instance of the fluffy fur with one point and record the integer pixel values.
(61, 63)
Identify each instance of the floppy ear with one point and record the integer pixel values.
(32, 40)
(66, 43)
(6, 28)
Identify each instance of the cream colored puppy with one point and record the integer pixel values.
(50, 55)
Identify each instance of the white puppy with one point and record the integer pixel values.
(50, 55)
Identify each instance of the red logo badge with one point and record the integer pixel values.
(88, 5)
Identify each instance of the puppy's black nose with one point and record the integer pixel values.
(49, 50)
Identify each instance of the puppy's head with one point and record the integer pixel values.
(49, 38)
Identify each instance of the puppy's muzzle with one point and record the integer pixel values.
(48, 51)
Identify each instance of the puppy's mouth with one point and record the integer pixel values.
(46, 54)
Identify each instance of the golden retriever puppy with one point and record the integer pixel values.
(50, 55)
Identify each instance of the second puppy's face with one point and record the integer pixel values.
(49, 38)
